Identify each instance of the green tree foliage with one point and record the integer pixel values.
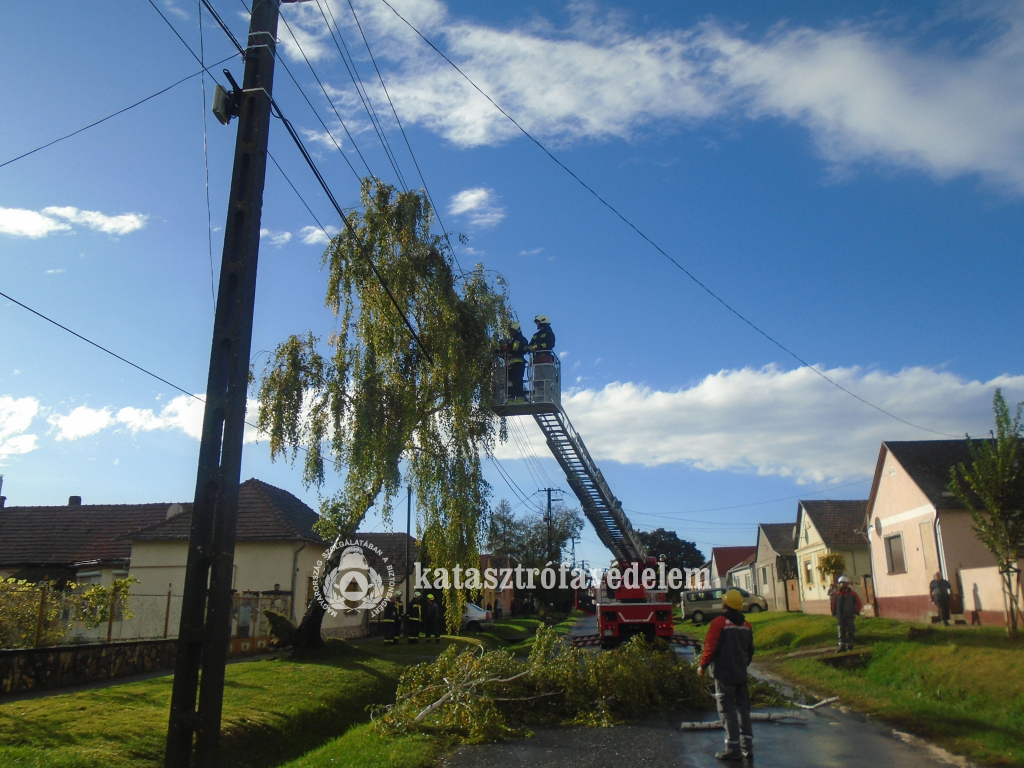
(679, 553)
(991, 488)
(481, 695)
(525, 538)
(23, 605)
(369, 397)
(831, 566)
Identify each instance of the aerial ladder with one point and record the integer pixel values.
(626, 610)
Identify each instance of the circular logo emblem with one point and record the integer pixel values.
(353, 584)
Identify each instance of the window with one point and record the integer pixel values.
(808, 573)
(764, 575)
(894, 554)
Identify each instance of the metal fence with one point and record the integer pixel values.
(38, 615)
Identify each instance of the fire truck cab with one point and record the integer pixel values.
(626, 608)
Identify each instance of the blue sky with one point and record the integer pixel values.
(848, 178)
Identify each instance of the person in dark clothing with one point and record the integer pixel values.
(728, 650)
(846, 605)
(942, 594)
(431, 617)
(515, 347)
(390, 620)
(414, 616)
(543, 340)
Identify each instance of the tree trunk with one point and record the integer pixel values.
(307, 634)
(1011, 601)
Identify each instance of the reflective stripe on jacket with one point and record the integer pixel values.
(543, 339)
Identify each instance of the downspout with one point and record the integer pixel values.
(937, 528)
(295, 575)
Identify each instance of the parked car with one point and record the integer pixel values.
(475, 618)
(701, 604)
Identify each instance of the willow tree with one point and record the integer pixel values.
(400, 386)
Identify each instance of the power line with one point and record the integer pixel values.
(351, 229)
(740, 506)
(206, 166)
(364, 97)
(276, 110)
(113, 114)
(401, 128)
(653, 244)
(326, 95)
(102, 348)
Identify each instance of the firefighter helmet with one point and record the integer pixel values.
(542, 319)
(514, 325)
(844, 579)
(733, 599)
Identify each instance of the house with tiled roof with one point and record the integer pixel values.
(917, 528)
(742, 574)
(82, 543)
(775, 566)
(276, 553)
(724, 558)
(823, 528)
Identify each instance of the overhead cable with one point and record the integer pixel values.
(401, 128)
(114, 114)
(276, 111)
(654, 245)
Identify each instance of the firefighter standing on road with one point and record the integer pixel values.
(845, 606)
(415, 613)
(514, 348)
(729, 649)
(432, 616)
(543, 340)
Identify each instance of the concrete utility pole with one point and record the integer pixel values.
(548, 519)
(205, 629)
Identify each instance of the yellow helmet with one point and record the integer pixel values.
(733, 599)
(543, 319)
(514, 325)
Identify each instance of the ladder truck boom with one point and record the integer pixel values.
(623, 611)
(543, 402)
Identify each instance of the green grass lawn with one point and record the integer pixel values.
(310, 711)
(962, 687)
(274, 710)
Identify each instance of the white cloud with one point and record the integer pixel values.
(182, 414)
(479, 205)
(16, 415)
(20, 222)
(122, 224)
(176, 10)
(276, 238)
(317, 236)
(775, 422)
(55, 271)
(83, 421)
(911, 99)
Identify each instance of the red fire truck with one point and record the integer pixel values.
(625, 608)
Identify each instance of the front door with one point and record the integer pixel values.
(792, 595)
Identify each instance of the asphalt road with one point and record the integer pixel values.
(828, 738)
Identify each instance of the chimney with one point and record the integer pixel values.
(3, 501)
(74, 501)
